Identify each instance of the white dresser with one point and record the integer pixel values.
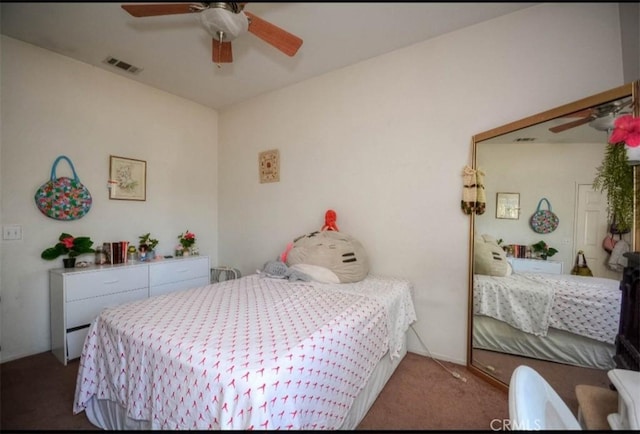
(521, 265)
(78, 295)
(177, 275)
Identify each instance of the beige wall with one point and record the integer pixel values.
(52, 105)
(536, 170)
(383, 142)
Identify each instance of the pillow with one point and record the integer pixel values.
(341, 253)
(489, 239)
(489, 258)
(317, 273)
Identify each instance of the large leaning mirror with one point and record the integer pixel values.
(528, 309)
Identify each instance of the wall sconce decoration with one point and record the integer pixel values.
(269, 166)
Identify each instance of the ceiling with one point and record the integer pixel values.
(174, 51)
(595, 132)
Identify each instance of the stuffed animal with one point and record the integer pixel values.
(341, 253)
(330, 218)
(279, 270)
(489, 258)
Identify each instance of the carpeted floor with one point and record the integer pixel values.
(38, 392)
(421, 395)
(563, 378)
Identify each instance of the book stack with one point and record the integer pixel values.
(519, 250)
(116, 252)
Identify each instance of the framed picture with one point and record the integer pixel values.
(269, 166)
(127, 178)
(508, 206)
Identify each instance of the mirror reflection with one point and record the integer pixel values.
(543, 217)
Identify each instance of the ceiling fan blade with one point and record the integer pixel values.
(588, 112)
(150, 10)
(274, 35)
(222, 52)
(573, 124)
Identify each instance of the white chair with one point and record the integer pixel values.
(534, 405)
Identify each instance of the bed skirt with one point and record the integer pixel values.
(108, 415)
(558, 346)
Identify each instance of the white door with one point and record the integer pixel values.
(591, 229)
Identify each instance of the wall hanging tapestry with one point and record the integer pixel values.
(544, 221)
(63, 198)
(473, 195)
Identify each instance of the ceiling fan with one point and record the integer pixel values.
(225, 21)
(601, 117)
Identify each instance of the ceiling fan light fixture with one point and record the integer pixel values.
(604, 123)
(217, 20)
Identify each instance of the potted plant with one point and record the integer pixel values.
(543, 250)
(73, 246)
(615, 174)
(187, 240)
(146, 246)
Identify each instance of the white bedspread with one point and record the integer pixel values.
(251, 353)
(533, 302)
(393, 294)
(516, 300)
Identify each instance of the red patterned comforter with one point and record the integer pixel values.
(251, 353)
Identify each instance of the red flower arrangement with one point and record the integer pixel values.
(626, 130)
(74, 246)
(187, 239)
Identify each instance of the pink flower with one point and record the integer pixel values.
(187, 239)
(626, 130)
(68, 242)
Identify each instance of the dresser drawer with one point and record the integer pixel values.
(82, 312)
(178, 286)
(178, 270)
(535, 266)
(100, 282)
(75, 342)
(78, 296)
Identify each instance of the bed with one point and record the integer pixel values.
(556, 317)
(249, 353)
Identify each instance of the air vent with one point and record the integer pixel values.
(525, 139)
(122, 65)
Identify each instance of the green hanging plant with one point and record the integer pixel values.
(615, 176)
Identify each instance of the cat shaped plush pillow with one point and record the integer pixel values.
(341, 253)
(489, 258)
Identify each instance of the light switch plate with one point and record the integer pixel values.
(11, 232)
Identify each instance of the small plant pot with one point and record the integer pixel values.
(633, 154)
(69, 262)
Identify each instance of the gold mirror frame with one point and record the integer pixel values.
(631, 89)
